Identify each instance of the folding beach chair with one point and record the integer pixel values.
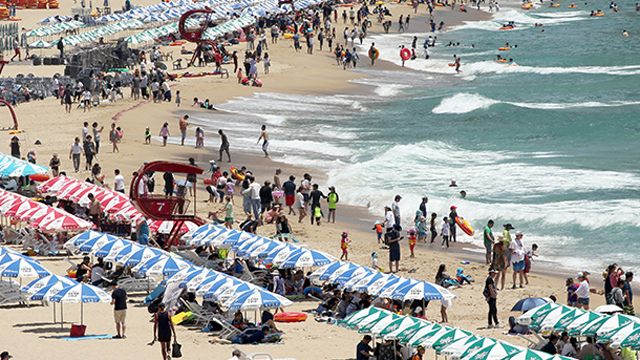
(256, 356)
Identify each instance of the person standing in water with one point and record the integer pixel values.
(224, 146)
(457, 63)
(265, 137)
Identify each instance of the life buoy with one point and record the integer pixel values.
(290, 317)
(500, 60)
(555, 5)
(374, 54)
(506, 28)
(405, 54)
(177, 43)
(464, 225)
(573, 6)
(235, 173)
(601, 14)
(504, 48)
(526, 7)
(288, 36)
(39, 177)
(452, 64)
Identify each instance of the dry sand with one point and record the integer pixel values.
(28, 333)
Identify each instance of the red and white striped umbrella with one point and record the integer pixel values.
(33, 214)
(115, 206)
(68, 222)
(165, 226)
(20, 206)
(54, 184)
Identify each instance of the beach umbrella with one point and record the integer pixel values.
(617, 335)
(422, 291)
(165, 226)
(606, 323)
(82, 293)
(9, 257)
(551, 317)
(121, 253)
(186, 274)
(67, 222)
(164, 266)
(277, 256)
(376, 286)
(24, 169)
(444, 337)
(550, 324)
(382, 321)
(496, 351)
(4, 250)
(40, 44)
(245, 247)
(110, 248)
(48, 291)
(608, 309)
(528, 317)
(528, 304)
(358, 315)
(459, 344)
(141, 256)
(355, 279)
(307, 258)
(337, 267)
(389, 331)
(348, 275)
(230, 290)
(529, 354)
(631, 340)
(241, 240)
(421, 335)
(471, 348)
(97, 242)
(389, 289)
(38, 284)
(23, 268)
(257, 300)
(364, 321)
(200, 230)
(211, 284)
(264, 249)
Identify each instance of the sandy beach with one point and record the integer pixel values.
(28, 333)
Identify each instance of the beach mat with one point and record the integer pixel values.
(88, 337)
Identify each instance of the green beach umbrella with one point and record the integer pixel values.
(404, 336)
(459, 344)
(391, 330)
(551, 316)
(441, 340)
(569, 324)
(423, 334)
(378, 323)
(358, 315)
(549, 325)
(632, 340)
(606, 324)
(618, 334)
(373, 318)
(497, 351)
(530, 355)
(529, 316)
(472, 348)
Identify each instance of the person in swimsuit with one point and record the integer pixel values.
(224, 146)
(54, 164)
(264, 136)
(162, 329)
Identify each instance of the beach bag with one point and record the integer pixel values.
(176, 350)
(486, 293)
(77, 330)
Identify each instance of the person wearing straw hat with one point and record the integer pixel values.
(419, 355)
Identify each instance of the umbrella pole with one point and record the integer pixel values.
(54, 313)
(61, 316)
(81, 312)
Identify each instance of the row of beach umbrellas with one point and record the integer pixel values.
(56, 28)
(14, 167)
(42, 216)
(95, 34)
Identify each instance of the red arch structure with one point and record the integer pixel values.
(2, 101)
(166, 207)
(196, 34)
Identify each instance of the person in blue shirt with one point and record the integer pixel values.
(236, 268)
(363, 350)
(628, 294)
(289, 188)
(257, 337)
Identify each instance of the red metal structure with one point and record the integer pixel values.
(195, 34)
(166, 207)
(284, 2)
(2, 101)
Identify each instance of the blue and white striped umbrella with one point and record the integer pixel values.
(251, 244)
(80, 238)
(8, 257)
(83, 293)
(141, 256)
(221, 238)
(23, 169)
(337, 267)
(202, 285)
(307, 258)
(219, 287)
(165, 266)
(186, 273)
(131, 247)
(422, 290)
(110, 248)
(38, 284)
(240, 239)
(23, 268)
(376, 286)
(48, 291)
(97, 243)
(353, 279)
(4, 250)
(389, 289)
(349, 275)
(361, 284)
(255, 300)
(263, 250)
(276, 257)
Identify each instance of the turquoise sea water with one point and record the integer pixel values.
(550, 146)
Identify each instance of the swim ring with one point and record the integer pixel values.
(290, 317)
(506, 28)
(504, 48)
(500, 60)
(208, 182)
(555, 5)
(405, 54)
(452, 64)
(39, 177)
(464, 226)
(234, 171)
(374, 54)
(288, 36)
(601, 14)
(573, 7)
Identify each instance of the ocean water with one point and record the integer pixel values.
(550, 145)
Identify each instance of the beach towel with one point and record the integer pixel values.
(87, 337)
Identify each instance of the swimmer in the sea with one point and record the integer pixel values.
(625, 33)
(457, 63)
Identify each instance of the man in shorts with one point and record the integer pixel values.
(289, 188)
(393, 238)
(489, 240)
(183, 128)
(119, 300)
(265, 137)
(224, 146)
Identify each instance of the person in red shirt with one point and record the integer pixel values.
(183, 128)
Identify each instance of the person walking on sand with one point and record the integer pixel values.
(114, 137)
(183, 128)
(332, 199)
(75, 153)
(289, 188)
(164, 132)
(162, 330)
(517, 250)
(119, 300)
(344, 245)
(489, 240)
(582, 292)
(395, 206)
(264, 135)
(96, 135)
(224, 145)
(491, 295)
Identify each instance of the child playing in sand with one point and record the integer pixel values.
(411, 235)
(317, 212)
(445, 232)
(344, 245)
(374, 262)
(377, 226)
(528, 259)
(266, 62)
(147, 136)
(178, 101)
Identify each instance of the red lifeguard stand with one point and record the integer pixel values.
(166, 207)
(195, 33)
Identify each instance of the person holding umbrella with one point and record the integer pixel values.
(162, 330)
